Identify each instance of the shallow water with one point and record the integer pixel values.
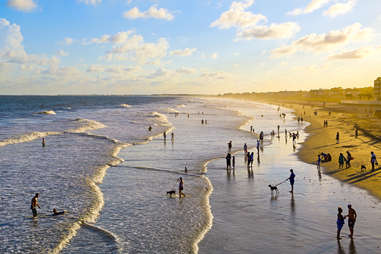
(247, 218)
(136, 215)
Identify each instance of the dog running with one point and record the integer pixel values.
(273, 188)
(171, 192)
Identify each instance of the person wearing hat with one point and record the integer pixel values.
(352, 216)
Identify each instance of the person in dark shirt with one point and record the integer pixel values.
(292, 180)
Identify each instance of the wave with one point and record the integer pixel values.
(47, 112)
(87, 125)
(181, 106)
(26, 137)
(125, 105)
(161, 118)
(171, 110)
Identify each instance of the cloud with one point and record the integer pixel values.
(236, 16)
(152, 12)
(118, 38)
(183, 52)
(68, 41)
(214, 55)
(12, 50)
(134, 48)
(185, 70)
(216, 75)
(274, 31)
(321, 42)
(355, 54)
(22, 5)
(311, 7)
(61, 52)
(340, 8)
(159, 73)
(90, 2)
(247, 23)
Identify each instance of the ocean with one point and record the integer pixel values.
(104, 167)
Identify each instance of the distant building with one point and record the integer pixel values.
(377, 88)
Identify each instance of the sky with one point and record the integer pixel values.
(107, 47)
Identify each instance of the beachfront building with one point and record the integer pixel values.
(377, 88)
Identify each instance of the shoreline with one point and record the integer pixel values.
(322, 139)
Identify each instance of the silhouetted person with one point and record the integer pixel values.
(292, 180)
(340, 221)
(352, 216)
(373, 160)
(43, 142)
(337, 137)
(228, 159)
(34, 205)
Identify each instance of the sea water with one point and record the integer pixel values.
(111, 175)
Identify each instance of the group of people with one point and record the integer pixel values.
(346, 160)
(352, 216)
(34, 205)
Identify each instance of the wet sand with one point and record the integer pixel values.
(248, 219)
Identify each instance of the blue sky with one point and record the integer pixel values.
(169, 46)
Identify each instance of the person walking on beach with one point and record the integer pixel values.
(337, 137)
(373, 160)
(356, 132)
(172, 136)
(248, 158)
(258, 144)
(245, 148)
(251, 159)
(340, 221)
(352, 216)
(278, 130)
(150, 128)
(348, 160)
(34, 205)
(181, 187)
(43, 142)
(228, 159)
(233, 162)
(292, 180)
(164, 135)
(341, 160)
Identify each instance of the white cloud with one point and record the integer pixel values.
(216, 75)
(62, 52)
(247, 23)
(237, 16)
(12, 50)
(355, 54)
(22, 5)
(68, 41)
(117, 38)
(185, 70)
(152, 12)
(340, 8)
(311, 7)
(90, 2)
(274, 31)
(183, 52)
(134, 48)
(214, 55)
(332, 39)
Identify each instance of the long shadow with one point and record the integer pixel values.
(366, 177)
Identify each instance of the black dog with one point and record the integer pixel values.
(363, 168)
(273, 188)
(171, 192)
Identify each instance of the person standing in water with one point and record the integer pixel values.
(172, 136)
(340, 221)
(34, 205)
(181, 187)
(228, 158)
(233, 162)
(258, 144)
(292, 180)
(352, 216)
(245, 148)
(164, 135)
(43, 142)
(230, 145)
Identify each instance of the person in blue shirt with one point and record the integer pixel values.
(292, 180)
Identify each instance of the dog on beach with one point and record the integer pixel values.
(273, 188)
(171, 192)
(363, 168)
